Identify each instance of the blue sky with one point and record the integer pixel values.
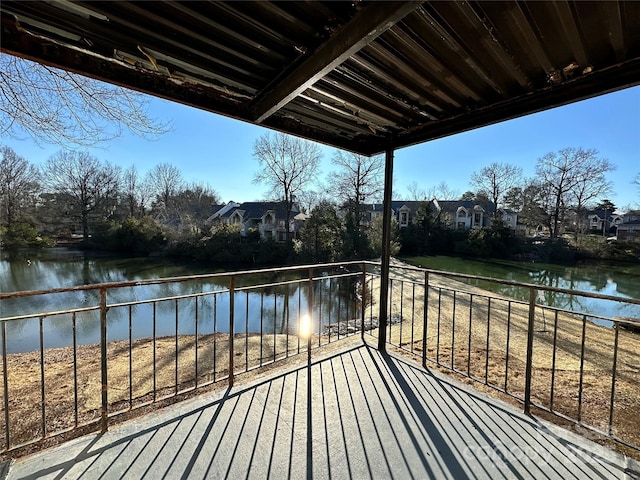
(218, 150)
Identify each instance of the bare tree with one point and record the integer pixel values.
(443, 192)
(166, 182)
(563, 174)
(18, 185)
(194, 203)
(416, 193)
(358, 179)
(590, 184)
(288, 165)
(90, 184)
(58, 107)
(497, 179)
(130, 183)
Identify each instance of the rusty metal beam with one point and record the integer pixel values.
(367, 25)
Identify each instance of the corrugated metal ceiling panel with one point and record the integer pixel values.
(419, 71)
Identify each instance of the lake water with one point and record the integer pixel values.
(54, 268)
(618, 280)
(59, 267)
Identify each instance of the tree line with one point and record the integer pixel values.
(126, 210)
(76, 193)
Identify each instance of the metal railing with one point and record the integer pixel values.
(575, 364)
(153, 344)
(74, 359)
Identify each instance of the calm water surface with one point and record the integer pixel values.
(618, 280)
(59, 267)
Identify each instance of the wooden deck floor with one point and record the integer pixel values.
(363, 415)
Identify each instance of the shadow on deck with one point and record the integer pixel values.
(363, 415)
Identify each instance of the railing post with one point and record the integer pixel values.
(425, 313)
(104, 420)
(231, 326)
(385, 261)
(310, 301)
(363, 294)
(529, 364)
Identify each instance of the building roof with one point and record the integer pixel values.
(453, 205)
(256, 210)
(363, 76)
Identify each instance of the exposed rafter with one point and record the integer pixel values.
(367, 25)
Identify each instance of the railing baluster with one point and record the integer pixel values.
(553, 360)
(486, 364)
(339, 307)
(470, 335)
(261, 326)
(104, 424)
(130, 357)
(5, 387)
(616, 326)
(310, 333)
(584, 332)
(329, 310)
(413, 312)
(453, 331)
(42, 385)
(286, 328)
(177, 346)
(425, 319)
(363, 296)
(275, 320)
(155, 379)
(215, 335)
(506, 363)
(529, 363)
(320, 323)
(346, 305)
(371, 303)
(246, 333)
(196, 342)
(390, 311)
(438, 326)
(401, 312)
(299, 312)
(75, 369)
(231, 326)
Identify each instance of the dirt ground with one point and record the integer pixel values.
(460, 335)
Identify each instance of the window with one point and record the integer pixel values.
(477, 218)
(404, 218)
(461, 225)
(268, 219)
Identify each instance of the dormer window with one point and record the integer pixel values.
(268, 219)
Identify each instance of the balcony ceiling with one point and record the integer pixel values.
(347, 74)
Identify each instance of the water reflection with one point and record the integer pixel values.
(605, 279)
(273, 309)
